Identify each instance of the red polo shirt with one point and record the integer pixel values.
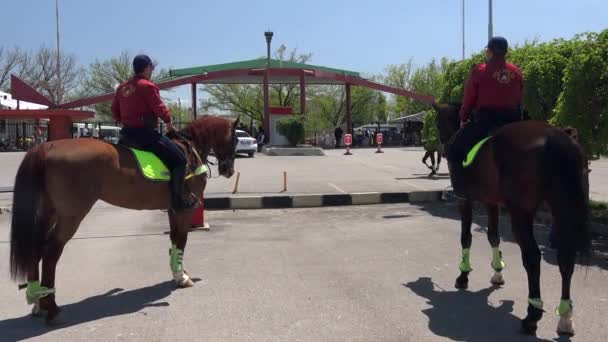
(137, 99)
(498, 85)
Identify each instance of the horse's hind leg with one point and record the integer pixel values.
(523, 231)
(180, 224)
(65, 228)
(494, 238)
(466, 220)
(45, 222)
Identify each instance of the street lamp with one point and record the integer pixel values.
(268, 35)
(490, 21)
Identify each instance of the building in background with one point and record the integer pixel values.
(20, 133)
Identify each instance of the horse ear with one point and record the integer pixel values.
(236, 122)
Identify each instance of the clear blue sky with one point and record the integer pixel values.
(359, 35)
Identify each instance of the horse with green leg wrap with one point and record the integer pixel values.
(58, 183)
(521, 166)
(497, 263)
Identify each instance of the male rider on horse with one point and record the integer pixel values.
(138, 106)
(492, 98)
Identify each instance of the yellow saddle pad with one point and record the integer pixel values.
(152, 168)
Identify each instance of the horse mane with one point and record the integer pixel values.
(205, 129)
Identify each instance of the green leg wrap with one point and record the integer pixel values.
(497, 263)
(565, 307)
(35, 291)
(176, 259)
(465, 264)
(536, 302)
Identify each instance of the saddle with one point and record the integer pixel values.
(152, 168)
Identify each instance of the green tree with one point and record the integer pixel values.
(428, 79)
(430, 134)
(583, 102)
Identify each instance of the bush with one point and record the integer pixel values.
(292, 128)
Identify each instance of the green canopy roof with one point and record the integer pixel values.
(257, 64)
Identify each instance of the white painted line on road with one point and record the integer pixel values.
(336, 187)
(413, 185)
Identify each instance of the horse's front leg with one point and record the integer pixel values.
(466, 219)
(180, 225)
(494, 238)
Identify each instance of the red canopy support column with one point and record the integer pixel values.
(349, 117)
(266, 105)
(194, 101)
(60, 127)
(302, 94)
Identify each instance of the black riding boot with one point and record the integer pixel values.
(177, 190)
(457, 178)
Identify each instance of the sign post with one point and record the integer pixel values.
(348, 140)
(379, 140)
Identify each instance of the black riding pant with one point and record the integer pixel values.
(150, 140)
(483, 124)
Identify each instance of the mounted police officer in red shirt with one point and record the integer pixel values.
(137, 106)
(492, 98)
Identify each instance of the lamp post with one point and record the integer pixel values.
(268, 34)
(59, 85)
(463, 2)
(490, 21)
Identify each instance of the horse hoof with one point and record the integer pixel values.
(186, 283)
(565, 326)
(528, 327)
(37, 311)
(55, 320)
(462, 282)
(497, 279)
(182, 280)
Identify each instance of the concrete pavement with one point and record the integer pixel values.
(359, 273)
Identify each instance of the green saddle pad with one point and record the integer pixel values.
(473, 153)
(152, 168)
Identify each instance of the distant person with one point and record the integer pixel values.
(261, 138)
(338, 135)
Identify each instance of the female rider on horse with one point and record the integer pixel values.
(137, 106)
(492, 98)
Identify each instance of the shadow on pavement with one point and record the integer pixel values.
(480, 224)
(468, 316)
(113, 303)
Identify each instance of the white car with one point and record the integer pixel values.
(246, 144)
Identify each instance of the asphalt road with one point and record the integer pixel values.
(370, 273)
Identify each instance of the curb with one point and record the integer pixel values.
(321, 200)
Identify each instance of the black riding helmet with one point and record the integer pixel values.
(498, 45)
(140, 62)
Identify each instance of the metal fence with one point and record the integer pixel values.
(20, 135)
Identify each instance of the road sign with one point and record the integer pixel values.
(348, 139)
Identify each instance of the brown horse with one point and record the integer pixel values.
(58, 183)
(522, 165)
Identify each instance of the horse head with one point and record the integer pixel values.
(218, 134)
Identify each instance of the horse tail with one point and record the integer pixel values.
(568, 198)
(27, 233)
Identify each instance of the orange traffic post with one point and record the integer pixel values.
(236, 184)
(198, 218)
(284, 181)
